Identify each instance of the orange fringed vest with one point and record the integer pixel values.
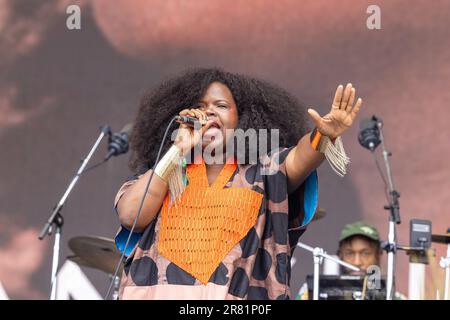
(206, 222)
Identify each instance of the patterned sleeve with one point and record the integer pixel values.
(123, 233)
(301, 204)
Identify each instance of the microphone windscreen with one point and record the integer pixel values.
(367, 123)
(369, 136)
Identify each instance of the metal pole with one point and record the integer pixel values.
(391, 262)
(55, 262)
(394, 219)
(316, 252)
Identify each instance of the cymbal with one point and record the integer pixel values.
(319, 214)
(441, 238)
(78, 261)
(95, 252)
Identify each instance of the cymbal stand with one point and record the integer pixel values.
(318, 255)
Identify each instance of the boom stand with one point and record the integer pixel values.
(56, 217)
(394, 218)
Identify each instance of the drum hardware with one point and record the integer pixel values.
(347, 287)
(318, 255)
(97, 253)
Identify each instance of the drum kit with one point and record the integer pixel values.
(102, 254)
(97, 253)
(341, 287)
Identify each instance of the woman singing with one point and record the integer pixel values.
(220, 228)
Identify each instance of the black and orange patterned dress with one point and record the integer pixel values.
(229, 240)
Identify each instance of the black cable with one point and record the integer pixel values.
(140, 208)
(382, 176)
(93, 166)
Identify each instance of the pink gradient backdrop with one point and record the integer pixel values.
(57, 87)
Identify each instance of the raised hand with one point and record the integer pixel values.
(342, 113)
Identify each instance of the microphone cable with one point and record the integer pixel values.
(92, 167)
(140, 209)
(380, 171)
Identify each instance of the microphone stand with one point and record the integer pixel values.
(56, 219)
(319, 254)
(394, 218)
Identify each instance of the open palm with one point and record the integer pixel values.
(342, 113)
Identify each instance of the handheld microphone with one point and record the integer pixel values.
(369, 135)
(118, 142)
(189, 120)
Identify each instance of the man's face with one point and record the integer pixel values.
(360, 252)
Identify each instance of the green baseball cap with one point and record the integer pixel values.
(359, 228)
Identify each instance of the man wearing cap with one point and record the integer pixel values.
(359, 245)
